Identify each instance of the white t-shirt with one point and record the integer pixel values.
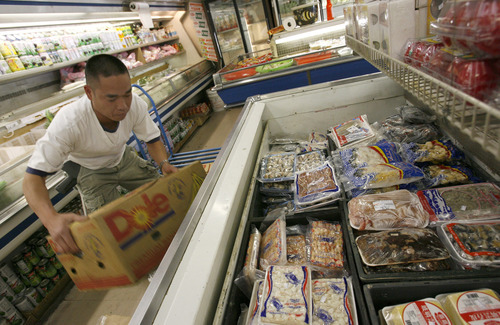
(76, 134)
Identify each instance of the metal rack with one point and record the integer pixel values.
(475, 120)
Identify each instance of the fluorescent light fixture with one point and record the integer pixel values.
(299, 36)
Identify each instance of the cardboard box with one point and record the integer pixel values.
(127, 238)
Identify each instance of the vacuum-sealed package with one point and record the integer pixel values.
(255, 301)
(351, 132)
(394, 129)
(286, 296)
(428, 266)
(475, 307)
(308, 161)
(414, 115)
(421, 312)
(397, 209)
(277, 188)
(406, 245)
(382, 175)
(296, 252)
(277, 167)
(412, 187)
(436, 151)
(462, 202)
(316, 185)
(382, 152)
(325, 244)
(438, 175)
(333, 302)
(252, 256)
(473, 243)
(273, 244)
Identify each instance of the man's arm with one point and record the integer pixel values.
(158, 153)
(57, 224)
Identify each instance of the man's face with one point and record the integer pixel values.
(111, 97)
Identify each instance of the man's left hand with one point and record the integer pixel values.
(168, 169)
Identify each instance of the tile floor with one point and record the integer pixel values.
(87, 308)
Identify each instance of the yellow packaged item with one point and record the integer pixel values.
(422, 312)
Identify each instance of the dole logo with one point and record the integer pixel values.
(122, 223)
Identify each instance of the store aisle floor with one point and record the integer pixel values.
(86, 308)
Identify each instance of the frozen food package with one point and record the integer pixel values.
(421, 312)
(273, 244)
(436, 151)
(382, 175)
(394, 129)
(316, 185)
(412, 187)
(473, 243)
(351, 132)
(414, 115)
(462, 202)
(407, 245)
(333, 302)
(318, 141)
(255, 300)
(308, 161)
(277, 167)
(382, 152)
(296, 253)
(429, 266)
(438, 175)
(326, 244)
(396, 209)
(286, 296)
(475, 307)
(277, 188)
(252, 256)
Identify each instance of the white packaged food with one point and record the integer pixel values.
(277, 167)
(351, 132)
(421, 312)
(475, 307)
(273, 244)
(286, 296)
(333, 302)
(253, 309)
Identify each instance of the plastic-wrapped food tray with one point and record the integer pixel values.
(426, 311)
(333, 302)
(462, 202)
(351, 132)
(253, 308)
(316, 185)
(308, 161)
(278, 167)
(326, 244)
(473, 243)
(400, 246)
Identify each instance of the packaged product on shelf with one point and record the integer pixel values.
(436, 175)
(414, 115)
(436, 151)
(326, 244)
(277, 167)
(472, 307)
(4, 67)
(420, 312)
(382, 175)
(398, 246)
(273, 244)
(277, 189)
(333, 302)
(316, 185)
(395, 129)
(308, 161)
(382, 152)
(352, 132)
(275, 66)
(461, 202)
(6, 290)
(429, 266)
(250, 272)
(316, 141)
(296, 252)
(418, 52)
(255, 301)
(397, 209)
(471, 26)
(473, 243)
(474, 77)
(286, 297)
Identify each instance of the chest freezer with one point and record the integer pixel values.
(194, 283)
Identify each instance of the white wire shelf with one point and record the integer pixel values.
(475, 119)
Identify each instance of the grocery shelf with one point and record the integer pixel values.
(36, 71)
(475, 120)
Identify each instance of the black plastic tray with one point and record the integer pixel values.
(380, 295)
(455, 272)
(330, 213)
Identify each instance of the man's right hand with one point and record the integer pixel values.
(58, 228)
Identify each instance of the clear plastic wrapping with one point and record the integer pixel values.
(472, 307)
(397, 209)
(462, 202)
(325, 241)
(286, 296)
(382, 175)
(333, 302)
(398, 246)
(255, 300)
(421, 312)
(414, 115)
(308, 161)
(438, 175)
(382, 152)
(412, 187)
(316, 185)
(429, 266)
(473, 244)
(273, 244)
(395, 129)
(436, 151)
(252, 256)
(277, 188)
(351, 132)
(296, 251)
(277, 167)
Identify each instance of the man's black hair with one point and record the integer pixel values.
(103, 65)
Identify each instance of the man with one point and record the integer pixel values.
(93, 132)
